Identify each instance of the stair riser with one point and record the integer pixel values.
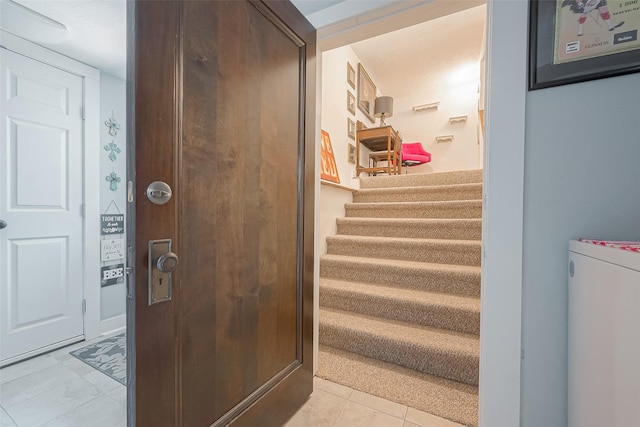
(434, 231)
(418, 279)
(458, 367)
(411, 180)
(467, 321)
(432, 253)
(418, 194)
(449, 212)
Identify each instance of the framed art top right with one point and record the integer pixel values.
(577, 40)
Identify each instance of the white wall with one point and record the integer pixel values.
(334, 109)
(423, 126)
(502, 215)
(332, 201)
(582, 179)
(112, 101)
(456, 99)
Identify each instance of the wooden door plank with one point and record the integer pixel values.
(231, 129)
(238, 198)
(156, 128)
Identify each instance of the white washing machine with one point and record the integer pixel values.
(604, 336)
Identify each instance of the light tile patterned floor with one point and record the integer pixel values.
(58, 390)
(334, 405)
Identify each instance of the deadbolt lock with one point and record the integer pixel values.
(159, 192)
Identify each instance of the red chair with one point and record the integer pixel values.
(413, 154)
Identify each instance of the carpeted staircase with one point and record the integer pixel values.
(400, 293)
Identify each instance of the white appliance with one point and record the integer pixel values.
(604, 336)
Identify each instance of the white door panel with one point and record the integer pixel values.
(38, 151)
(41, 253)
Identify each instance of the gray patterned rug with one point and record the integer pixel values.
(108, 356)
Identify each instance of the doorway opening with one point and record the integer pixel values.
(366, 270)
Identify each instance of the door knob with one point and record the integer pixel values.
(3, 224)
(167, 262)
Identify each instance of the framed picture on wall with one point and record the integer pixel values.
(328, 167)
(351, 154)
(351, 76)
(366, 93)
(572, 41)
(351, 129)
(351, 102)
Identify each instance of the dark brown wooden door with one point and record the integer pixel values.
(224, 114)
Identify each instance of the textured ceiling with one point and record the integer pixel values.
(97, 31)
(402, 61)
(420, 58)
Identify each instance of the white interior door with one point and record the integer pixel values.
(41, 196)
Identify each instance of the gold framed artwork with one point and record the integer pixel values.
(351, 129)
(351, 103)
(328, 166)
(351, 76)
(351, 154)
(366, 93)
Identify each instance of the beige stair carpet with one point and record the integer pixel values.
(400, 293)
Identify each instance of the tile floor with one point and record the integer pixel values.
(58, 390)
(334, 405)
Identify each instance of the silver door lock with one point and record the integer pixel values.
(167, 262)
(161, 263)
(159, 192)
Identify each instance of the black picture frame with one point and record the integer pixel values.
(543, 73)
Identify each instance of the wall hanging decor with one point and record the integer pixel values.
(113, 125)
(113, 179)
(351, 76)
(113, 150)
(351, 129)
(111, 275)
(112, 249)
(351, 154)
(351, 102)
(112, 223)
(328, 167)
(571, 41)
(366, 93)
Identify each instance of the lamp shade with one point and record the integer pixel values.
(383, 106)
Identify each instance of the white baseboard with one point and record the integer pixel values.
(113, 325)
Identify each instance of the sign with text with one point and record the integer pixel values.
(593, 28)
(112, 249)
(111, 275)
(111, 224)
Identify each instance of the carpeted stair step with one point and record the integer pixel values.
(455, 279)
(426, 228)
(419, 194)
(438, 396)
(446, 354)
(448, 209)
(458, 252)
(420, 180)
(444, 311)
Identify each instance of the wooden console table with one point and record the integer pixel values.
(381, 141)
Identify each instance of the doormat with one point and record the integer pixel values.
(108, 356)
